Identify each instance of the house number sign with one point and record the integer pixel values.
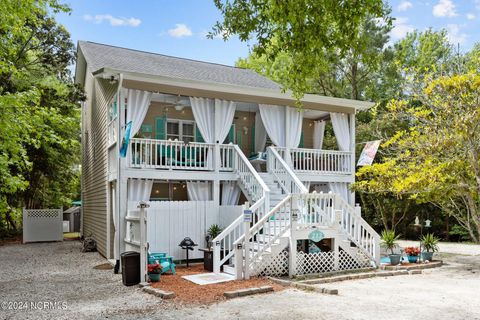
(316, 236)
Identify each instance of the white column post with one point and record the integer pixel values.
(292, 257)
(239, 261)
(335, 252)
(246, 245)
(352, 150)
(143, 241)
(216, 257)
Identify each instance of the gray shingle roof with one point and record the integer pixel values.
(104, 56)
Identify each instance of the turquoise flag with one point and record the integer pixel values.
(125, 140)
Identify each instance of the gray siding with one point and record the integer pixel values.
(94, 159)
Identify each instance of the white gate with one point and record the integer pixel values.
(42, 225)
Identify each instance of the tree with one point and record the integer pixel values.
(305, 30)
(437, 160)
(39, 118)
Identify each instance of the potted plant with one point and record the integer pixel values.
(430, 244)
(389, 242)
(154, 271)
(412, 254)
(212, 233)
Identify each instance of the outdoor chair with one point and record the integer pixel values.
(163, 259)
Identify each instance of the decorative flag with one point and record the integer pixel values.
(125, 140)
(368, 153)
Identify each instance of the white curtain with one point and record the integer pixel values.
(204, 113)
(318, 134)
(138, 102)
(341, 188)
(341, 129)
(273, 118)
(294, 121)
(199, 191)
(283, 125)
(224, 113)
(139, 189)
(260, 133)
(230, 193)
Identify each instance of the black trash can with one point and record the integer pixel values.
(130, 268)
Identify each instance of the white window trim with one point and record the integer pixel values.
(181, 122)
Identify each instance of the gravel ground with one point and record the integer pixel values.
(59, 272)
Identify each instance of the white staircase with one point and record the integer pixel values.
(282, 209)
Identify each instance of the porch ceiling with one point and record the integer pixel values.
(231, 92)
(173, 100)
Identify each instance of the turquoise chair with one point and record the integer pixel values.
(163, 259)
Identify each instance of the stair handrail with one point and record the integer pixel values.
(311, 212)
(245, 169)
(259, 192)
(357, 229)
(281, 223)
(283, 173)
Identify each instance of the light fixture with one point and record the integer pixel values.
(244, 118)
(179, 107)
(245, 130)
(157, 191)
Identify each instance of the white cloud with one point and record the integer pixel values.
(455, 36)
(404, 5)
(444, 8)
(400, 28)
(470, 16)
(114, 21)
(181, 30)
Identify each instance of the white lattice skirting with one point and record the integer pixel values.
(271, 265)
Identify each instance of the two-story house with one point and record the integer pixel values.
(197, 141)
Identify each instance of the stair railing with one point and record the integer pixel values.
(267, 230)
(258, 191)
(357, 229)
(282, 172)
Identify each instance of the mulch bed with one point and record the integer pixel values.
(190, 293)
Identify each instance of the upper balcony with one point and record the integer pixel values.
(169, 139)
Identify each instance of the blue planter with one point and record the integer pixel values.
(395, 259)
(412, 259)
(427, 256)
(154, 277)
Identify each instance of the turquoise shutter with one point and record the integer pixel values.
(231, 135)
(198, 135)
(160, 127)
(300, 145)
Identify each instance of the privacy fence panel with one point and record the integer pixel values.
(171, 221)
(42, 225)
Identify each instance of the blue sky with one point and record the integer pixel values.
(178, 27)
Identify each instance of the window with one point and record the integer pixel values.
(182, 130)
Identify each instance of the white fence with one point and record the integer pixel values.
(168, 222)
(42, 225)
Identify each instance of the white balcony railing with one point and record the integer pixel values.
(177, 155)
(318, 161)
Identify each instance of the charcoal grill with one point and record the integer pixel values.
(187, 244)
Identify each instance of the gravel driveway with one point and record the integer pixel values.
(59, 272)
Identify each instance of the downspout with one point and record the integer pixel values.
(117, 187)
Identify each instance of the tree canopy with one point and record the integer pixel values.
(306, 31)
(39, 118)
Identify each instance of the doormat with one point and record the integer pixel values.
(103, 266)
(209, 278)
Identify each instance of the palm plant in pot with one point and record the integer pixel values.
(389, 242)
(430, 244)
(212, 233)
